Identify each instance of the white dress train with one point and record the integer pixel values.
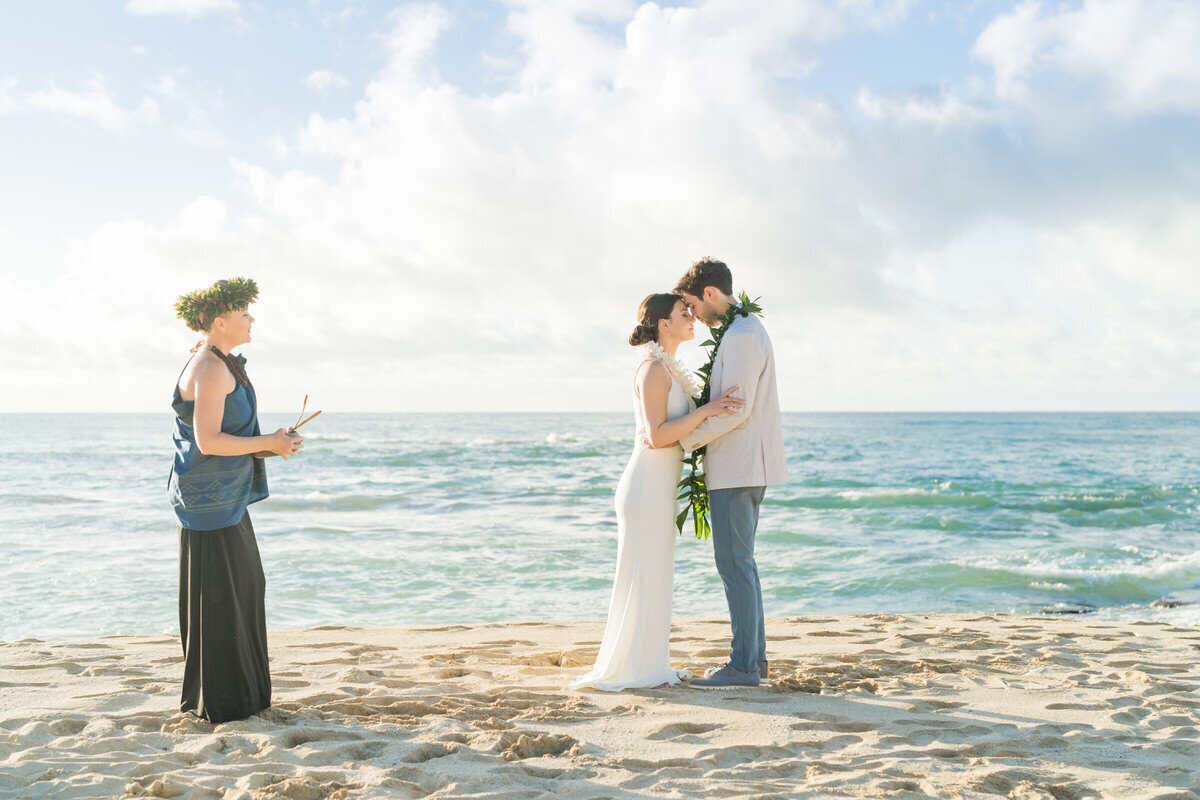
(635, 651)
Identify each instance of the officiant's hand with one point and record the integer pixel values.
(726, 404)
(285, 443)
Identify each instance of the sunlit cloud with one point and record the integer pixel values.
(323, 79)
(924, 248)
(92, 104)
(181, 8)
(1133, 56)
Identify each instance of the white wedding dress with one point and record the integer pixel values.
(635, 651)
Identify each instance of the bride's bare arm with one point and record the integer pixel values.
(653, 387)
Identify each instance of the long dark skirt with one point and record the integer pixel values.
(223, 623)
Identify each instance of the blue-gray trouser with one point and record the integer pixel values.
(734, 514)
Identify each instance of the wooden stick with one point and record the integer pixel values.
(301, 415)
(298, 424)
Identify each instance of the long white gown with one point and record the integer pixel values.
(635, 651)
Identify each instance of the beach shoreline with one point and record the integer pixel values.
(871, 705)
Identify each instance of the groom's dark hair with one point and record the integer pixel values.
(705, 272)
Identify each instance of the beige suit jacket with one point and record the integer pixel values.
(745, 449)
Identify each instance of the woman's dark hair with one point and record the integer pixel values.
(705, 272)
(654, 308)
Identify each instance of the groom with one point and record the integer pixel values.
(744, 456)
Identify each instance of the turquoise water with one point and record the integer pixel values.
(407, 519)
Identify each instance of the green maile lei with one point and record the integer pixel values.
(201, 307)
(693, 489)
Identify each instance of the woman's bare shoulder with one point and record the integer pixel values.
(206, 368)
(652, 371)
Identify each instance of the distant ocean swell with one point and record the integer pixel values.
(396, 519)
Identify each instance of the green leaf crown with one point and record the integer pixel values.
(199, 308)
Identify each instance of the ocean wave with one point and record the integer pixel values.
(1153, 566)
(1097, 502)
(1122, 518)
(327, 437)
(23, 499)
(349, 501)
(1126, 509)
(855, 498)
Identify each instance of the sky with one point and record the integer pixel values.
(970, 205)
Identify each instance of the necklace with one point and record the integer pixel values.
(744, 308)
(693, 487)
(686, 382)
(236, 364)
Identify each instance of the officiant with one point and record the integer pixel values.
(217, 473)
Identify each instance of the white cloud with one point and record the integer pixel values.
(569, 196)
(190, 108)
(941, 111)
(436, 241)
(1133, 56)
(878, 13)
(181, 8)
(323, 79)
(351, 10)
(8, 104)
(92, 104)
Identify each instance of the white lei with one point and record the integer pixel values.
(681, 375)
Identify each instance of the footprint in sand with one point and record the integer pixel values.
(560, 658)
(66, 727)
(299, 736)
(713, 653)
(451, 672)
(927, 706)
(6, 684)
(1177, 721)
(296, 788)
(683, 730)
(514, 745)
(724, 757)
(443, 628)
(358, 676)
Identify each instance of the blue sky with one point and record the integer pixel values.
(946, 205)
(245, 74)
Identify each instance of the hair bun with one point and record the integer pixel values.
(642, 334)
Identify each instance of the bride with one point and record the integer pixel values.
(635, 651)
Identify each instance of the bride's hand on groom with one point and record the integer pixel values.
(650, 445)
(726, 405)
(646, 440)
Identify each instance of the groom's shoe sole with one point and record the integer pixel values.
(725, 687)
(700, 684)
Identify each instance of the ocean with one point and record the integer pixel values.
(396, 519)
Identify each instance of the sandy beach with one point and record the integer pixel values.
(863, 706)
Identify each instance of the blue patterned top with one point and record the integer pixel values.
(211, 492)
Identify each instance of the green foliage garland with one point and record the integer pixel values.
(199, 308)
(693, 489)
